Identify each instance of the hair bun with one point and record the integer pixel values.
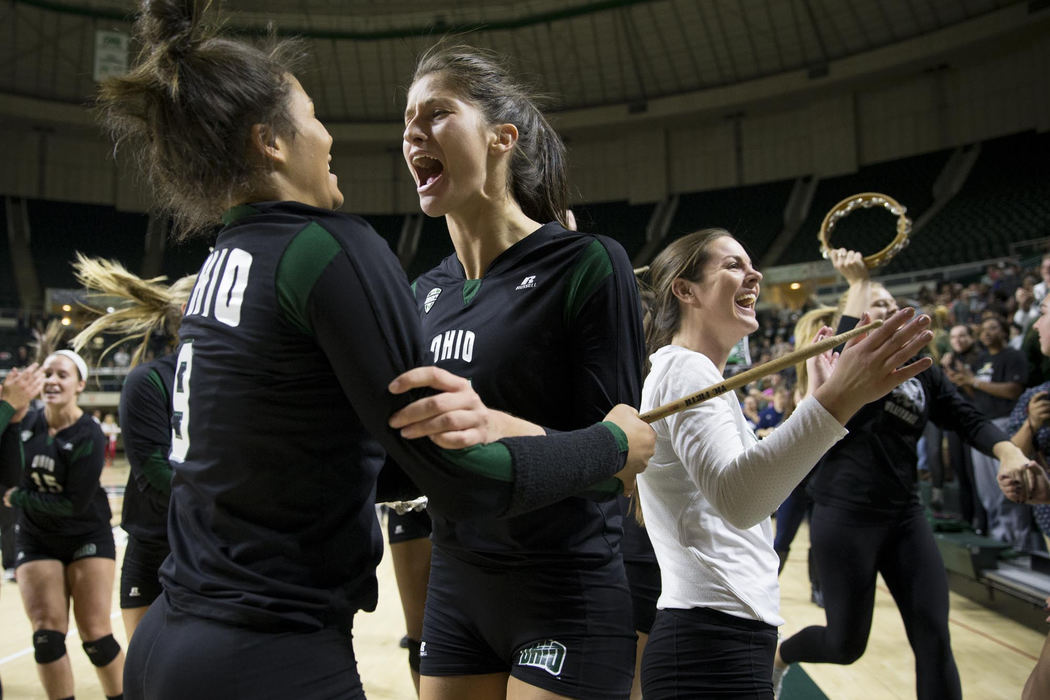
(170, 24)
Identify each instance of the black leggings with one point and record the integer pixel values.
(851, 549)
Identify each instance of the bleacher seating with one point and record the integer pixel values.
(1005, 199)
(58, 229)
(754, 214)
(621, 221)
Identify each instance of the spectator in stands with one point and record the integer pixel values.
(111, 430)
(868, 521)
(1027, 305)
(750, 408)
(121, 358)
(776, 412)
(994, 384)
(968, 305)
(1043, 286)
(965, 353)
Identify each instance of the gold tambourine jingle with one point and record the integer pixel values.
(866, 200)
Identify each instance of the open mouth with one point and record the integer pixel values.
(747, 300)
(428, 170)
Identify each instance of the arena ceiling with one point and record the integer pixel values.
(584, 53)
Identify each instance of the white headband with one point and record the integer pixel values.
(77, 360)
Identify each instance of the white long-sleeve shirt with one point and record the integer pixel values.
(711, 486)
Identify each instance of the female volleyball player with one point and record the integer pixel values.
(65, 548)
(546, 324)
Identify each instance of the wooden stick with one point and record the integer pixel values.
(754, 373)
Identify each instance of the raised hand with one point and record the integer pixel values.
(873, 365)
(850, 265)
(820, 367)
(21, 387)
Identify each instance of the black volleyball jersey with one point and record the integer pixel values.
(551, 333)
(873, 468)
(145, 419)
(298, 321)
(60, 493)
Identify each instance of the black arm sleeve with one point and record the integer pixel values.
(952, 411)
(363, 316)
(10, 448)
(145, 417)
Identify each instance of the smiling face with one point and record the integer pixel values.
(307, 155)
(993, 335)
(726, 294)
(62, 382)
(960, 338)
(447, 146)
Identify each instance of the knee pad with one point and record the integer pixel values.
(48, 646)
(103, 650)
(413, 654)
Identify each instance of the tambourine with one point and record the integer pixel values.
(402, 507)
(867, 200)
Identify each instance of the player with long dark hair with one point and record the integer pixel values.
(546, 324)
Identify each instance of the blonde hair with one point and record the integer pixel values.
(149, 307)
(48, 340)
(805, 328)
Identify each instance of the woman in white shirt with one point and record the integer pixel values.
(711, 486)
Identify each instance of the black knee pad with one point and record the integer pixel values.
(48, 646)
(413, 654)
(102, 650)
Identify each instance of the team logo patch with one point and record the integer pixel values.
(432, 296)
(26, 434)
(134, 592)
(88, 550)
(422, 648)
(548, 655)
(527, 283)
